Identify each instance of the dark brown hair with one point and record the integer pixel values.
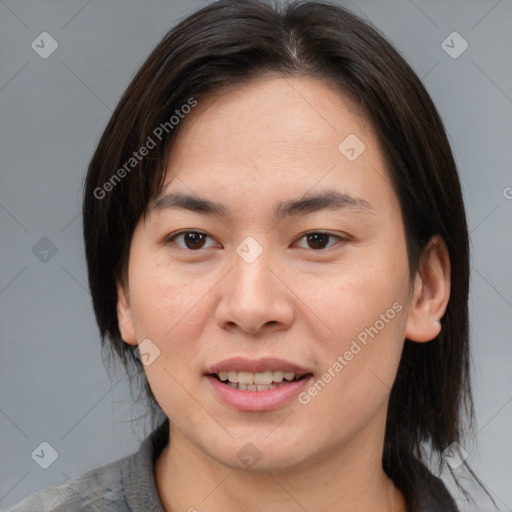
(231, 42)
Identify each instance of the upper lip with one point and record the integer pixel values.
(256, 365)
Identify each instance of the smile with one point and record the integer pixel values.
(260, 381)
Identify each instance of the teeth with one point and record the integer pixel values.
(245, 378)
(249, 379)
(253, 387)
(263, 378)
(277, 375)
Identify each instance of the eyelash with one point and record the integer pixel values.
(171, 239)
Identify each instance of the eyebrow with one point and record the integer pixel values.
(327, 200)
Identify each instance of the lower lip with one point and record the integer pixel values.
(258, 400)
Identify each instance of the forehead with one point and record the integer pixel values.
(274, 134)
(295, 113)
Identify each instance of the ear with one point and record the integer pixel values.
(124, 316)
(431, 292)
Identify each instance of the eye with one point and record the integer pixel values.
(192, 240)
(195, 240)
(318, 239)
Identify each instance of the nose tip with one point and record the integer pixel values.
(254, 299)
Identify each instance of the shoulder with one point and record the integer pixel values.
(99, 489)
(125, 485)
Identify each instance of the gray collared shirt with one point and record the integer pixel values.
(126, 485)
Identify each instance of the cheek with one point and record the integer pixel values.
(164, 300)
(169, 312)
(358, 363)
(364, 307)
(354, 298)
(172, 309)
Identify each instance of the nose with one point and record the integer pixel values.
(255, 297)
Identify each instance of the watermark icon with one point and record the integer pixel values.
(454, 45)
(249, 454)
(351, 147)
(507, 192)
(44, 250)
(44, 455)
(343, 360)
(147, 352)
(44, 45)
(454, 455)
(249, 249)
(133, 161)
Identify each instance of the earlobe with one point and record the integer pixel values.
(124, 316)
(431, 293)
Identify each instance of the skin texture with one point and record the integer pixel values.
(249, 147)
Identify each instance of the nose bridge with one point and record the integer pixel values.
(251, 272)
(254, 297)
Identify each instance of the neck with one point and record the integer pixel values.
(350, 479)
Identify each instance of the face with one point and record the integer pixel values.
(273, 284)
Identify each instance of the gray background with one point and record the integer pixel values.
(53, 385)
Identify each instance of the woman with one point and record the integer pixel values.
(306, 344)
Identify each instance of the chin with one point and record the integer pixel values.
(253, 454)
(265, 462)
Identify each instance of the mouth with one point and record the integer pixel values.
(258, 381)
(257, 385)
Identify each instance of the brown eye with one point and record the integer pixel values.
(192, 240)
(318, 240)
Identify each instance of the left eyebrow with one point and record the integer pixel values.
(326, 200)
